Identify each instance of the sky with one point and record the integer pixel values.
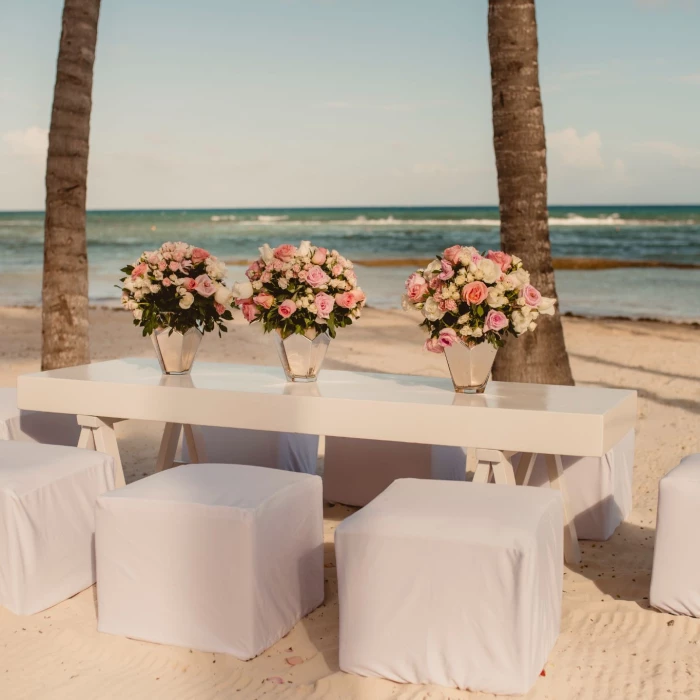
(281, 103)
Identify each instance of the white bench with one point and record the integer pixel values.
(452, 583)
(215, 557)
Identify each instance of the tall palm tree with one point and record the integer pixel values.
(519, 143)
(65, 284)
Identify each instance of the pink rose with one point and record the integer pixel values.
(189, 284)
(531, 295)
(266, 277)
(416, 288)
(452, 254)
(359, 295)
(319, 256)
(337, 269)
(220, 308)
(447, 305)
(447, 271)
(253, 271)
(204, 286)
(162, 265)
(347, 300)
(324, 304)
(250, 311)
(316, 277)
(501, 259)
(351, 277)
(447, 338)
(139, 270)
(199, 255)
(285, 252)
(174, 266)
(287, 308)
(265, 300)
(166, 282)
(474, 292)
(436, 283)
(433, 345)
(495, 321)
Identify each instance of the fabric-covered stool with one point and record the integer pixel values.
(289, 451)
(47, 522)
(356, 471)
(216, 557)
(35, 426)
(454, 584)
(675, 579)
(599, 488)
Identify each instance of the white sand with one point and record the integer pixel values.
(611, 645)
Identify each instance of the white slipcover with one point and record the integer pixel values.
(451, 583)
(35, 426)
(288, 451)
(47, 522)
(215, 557)
(675, 580)
(356, 471)
(599, 489)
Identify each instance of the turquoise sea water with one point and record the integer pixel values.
(385, 236)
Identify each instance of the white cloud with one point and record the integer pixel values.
(682, 155)
(574, 151)
(32, 142)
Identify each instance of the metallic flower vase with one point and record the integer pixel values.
(301, 356)
(470, 367)
(176, 351)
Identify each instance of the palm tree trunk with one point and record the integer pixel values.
(65, 339)
(519, 143)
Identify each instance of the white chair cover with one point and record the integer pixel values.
(454, 584)
(357, 471)
(675, 580)
(35, 426)
(47, 522)
(262, 448)
(216, 557)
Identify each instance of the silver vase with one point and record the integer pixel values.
(470, 367)
(301, 356)
(175, 350)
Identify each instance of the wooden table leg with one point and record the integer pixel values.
(525, 467)
(555, 470)
(497, 462)
(98, 434)
(195, 444)
(168, 446)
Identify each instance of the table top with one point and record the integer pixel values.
(353, 404)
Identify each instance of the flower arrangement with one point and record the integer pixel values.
(473, 297)
(177, 286)
(303, 289)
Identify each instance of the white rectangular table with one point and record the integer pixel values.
(528, 418)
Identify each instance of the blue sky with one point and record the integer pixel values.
(233, 103)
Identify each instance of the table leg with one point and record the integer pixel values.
(98, 434)
(168, 446)
(195, 444)
(482, 474)
(525, 467)
(555, 470)
(497, 462)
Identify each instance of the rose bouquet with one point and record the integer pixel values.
(474, 298)
(178, 287)
(305, 290)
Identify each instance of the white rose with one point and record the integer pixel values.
(431, 310)
(433, 267)
(223, 296)
(138, 314)
(510, 282)
(243, 290)
(158, 274)
(131, 305)
(304, 248)
(266, 253)
(187, 300)
(155, 288)
(495, 298)
(546, 306)
(490, 271)
(523, 277)
(283, 282)
(532, 326)
(520, 322)
(464, 318)
(129, 284)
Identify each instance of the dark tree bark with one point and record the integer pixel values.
(65, 283)
(519, 143)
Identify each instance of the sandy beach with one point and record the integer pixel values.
(611, 644)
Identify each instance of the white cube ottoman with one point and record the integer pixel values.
(450, 583)
(35, 426)
(356, 471)
(599, 488)
(47, 522)
(263, 448)
(215, 557)
(675, 580)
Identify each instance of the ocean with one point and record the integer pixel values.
(387, 243)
